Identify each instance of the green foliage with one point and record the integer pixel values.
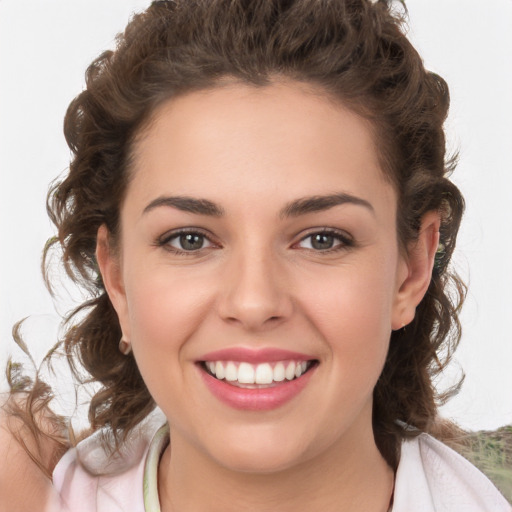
(491, 453)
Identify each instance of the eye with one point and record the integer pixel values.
(325, 241)
(185, 241)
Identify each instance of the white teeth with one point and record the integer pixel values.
(231, 372)
(245, 374)
(264, 374)
(279, 372)
(290, 371)
(260, 374)
(219, 370)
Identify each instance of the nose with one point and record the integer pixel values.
(255, 294)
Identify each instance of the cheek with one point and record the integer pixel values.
(165, 308)
(352, 311)
(164, 314)
(359, 299)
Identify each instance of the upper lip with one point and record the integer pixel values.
(255, 356)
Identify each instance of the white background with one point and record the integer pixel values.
(45, 46)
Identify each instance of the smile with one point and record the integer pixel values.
(255, 376)
(256, 380)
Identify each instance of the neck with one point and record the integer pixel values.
(350, 476)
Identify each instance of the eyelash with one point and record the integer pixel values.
(164, 241)
(346, 242)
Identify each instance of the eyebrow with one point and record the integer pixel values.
(295, 208)
(187, 204)
(313, 204)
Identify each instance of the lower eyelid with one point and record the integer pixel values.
(343, 239)
(165, 240)
(206, 243)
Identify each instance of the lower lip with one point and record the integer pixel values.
(257, 399)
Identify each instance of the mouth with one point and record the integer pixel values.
(246, 375)
(256, 381)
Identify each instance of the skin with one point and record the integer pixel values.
(258, 282)
(23, 486)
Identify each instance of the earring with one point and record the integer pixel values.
(124, 347)
(439, 257)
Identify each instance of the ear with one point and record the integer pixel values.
(418, 264)
(111, 274)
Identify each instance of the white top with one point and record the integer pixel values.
(431, 477)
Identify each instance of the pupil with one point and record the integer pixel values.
(322, 241)
(191, 242)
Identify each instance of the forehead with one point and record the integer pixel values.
(283, 140)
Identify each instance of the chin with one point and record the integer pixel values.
(263, 454)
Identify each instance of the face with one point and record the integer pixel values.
(259, 276)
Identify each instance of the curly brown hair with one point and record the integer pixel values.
(356, 52)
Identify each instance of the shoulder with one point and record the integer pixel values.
(431, 477)
(23, 483)
(89, 478)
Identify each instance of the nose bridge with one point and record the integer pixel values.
(254, 292)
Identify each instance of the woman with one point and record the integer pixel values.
(258, 203)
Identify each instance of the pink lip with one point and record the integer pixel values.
(256, 399)
(264, 355)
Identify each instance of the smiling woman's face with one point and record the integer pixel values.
(258, 243)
